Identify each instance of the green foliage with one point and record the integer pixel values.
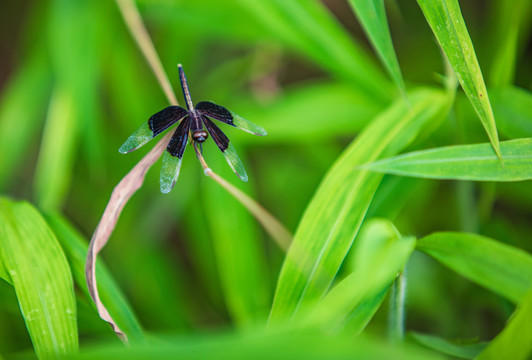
(463, 351)
(372, 16)
(499, 267)
(75, 248)
(515, 340)
(353, 163)
(464, 162)
(447, 23)
(379, 243)
(332, 219)
(37, 268)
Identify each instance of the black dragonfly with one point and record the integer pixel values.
(192, 120)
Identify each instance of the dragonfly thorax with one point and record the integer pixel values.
(200, 136)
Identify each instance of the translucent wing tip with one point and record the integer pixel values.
(167, 187)
(169, 172)
(248, 126)
(234, 162)
(243, 177)
(139, 138)
(126, 148)
(261, 132)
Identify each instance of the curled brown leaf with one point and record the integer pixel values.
(119, 197)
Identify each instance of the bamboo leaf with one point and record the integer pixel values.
(52, 176)
(20, 123)
(515, 341)
(379, 255)
(256, 345)
(75, 247)
(464, 351)
(463, 162)
(508, 19)
(3, 273)
(447, 23)
(333, 217)
(499, 267)
(372, 16)
(360, 317)
(41, 277)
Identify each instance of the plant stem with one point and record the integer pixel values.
(396, 318)
(140, 34)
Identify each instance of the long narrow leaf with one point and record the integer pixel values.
(464, 351)
(464, 162)
(53, 172)
(447, 23)
(3, 272)
(508, 19)
(41, 277)
(372, 16)
(380, 254)
(515, 341)
(20, 123)
(308, 345)
(360, 317)
(501, 268)
(75, 247)
(334, 215)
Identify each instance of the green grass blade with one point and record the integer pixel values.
(447, 23)
(464, 162)
(310, 345)
(464, 351)
(496, 266)
(372, 16)
(507, 21)
(75, 248)
(357, 321)
(333, 217)
(41, 277)
(81, 47)
(379, 255)
(4, 274)
(56, 155)
(515, 341)
(20, 123)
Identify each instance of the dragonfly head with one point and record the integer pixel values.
(200, 136)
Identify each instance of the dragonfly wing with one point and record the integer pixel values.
(220, 113)
(228, 150)
(234, 162)
(155, 125)
(173, 155)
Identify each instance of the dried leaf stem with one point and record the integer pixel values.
(140, 34)
(135, 178)
(119, 197)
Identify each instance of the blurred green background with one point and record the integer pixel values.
(74, 86)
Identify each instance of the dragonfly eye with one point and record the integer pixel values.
(200, 136)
